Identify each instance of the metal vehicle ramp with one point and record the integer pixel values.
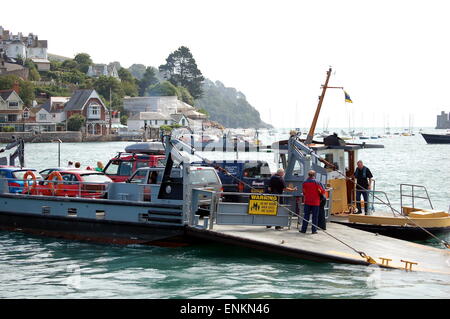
(231, 224)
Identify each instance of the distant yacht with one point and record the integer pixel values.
(437, 138)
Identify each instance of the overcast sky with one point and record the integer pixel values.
(392, 57)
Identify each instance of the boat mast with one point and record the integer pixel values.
(316, 116)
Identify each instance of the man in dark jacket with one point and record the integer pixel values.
(277, 185)
(363, 177)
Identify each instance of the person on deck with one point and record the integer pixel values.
(277, 185)
(311, 195)
(363, 177)
(99, 167)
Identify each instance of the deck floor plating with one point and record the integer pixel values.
(429, 259)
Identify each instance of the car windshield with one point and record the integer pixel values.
(120, 167)
(257, 170)
(21, 174)
(95, 178)
(204, 177)
(139, 177)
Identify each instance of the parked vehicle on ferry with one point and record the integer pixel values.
(247, 176)
(44, 173)
(121, 167)
(200, 177)
(16, 176)
(73, 183)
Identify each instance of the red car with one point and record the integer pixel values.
(73, 183)
(121, 167)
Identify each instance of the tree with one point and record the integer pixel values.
(147, 80)
(26, 87)
(106, 84)
(75, 122)
(83, 58)
(181, 70)
(185, 96)
(128, 82)
(137, 70)
(125, 75)
(123, 120)
(27, 92)
(33, 72)
(69, 64)
(163, 89)
(84, 61)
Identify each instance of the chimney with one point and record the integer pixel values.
(16, 87)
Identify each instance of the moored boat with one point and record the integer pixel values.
(436, 138)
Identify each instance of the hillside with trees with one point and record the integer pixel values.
(179, 76)
(228, 106)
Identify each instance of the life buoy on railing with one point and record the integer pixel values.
(59, 185)
(26, 188)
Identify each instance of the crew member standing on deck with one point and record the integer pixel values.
(311, 201)
(277, 185)
(363, 177)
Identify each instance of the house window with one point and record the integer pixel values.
(42, 117)
(165, 122)
(25, 114)
(94, 111)
(13, 105)
(12, 117)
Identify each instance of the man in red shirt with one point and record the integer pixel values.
(311, 200)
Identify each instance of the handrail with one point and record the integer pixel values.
(379, 202)
(413, 196)
(80, 190)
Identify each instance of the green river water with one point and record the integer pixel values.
(36, 267)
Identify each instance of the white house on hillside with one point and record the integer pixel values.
(152, 119)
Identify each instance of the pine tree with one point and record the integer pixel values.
(181, 70)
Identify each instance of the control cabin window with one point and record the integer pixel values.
(257, 170)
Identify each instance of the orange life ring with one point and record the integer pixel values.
(26, 188)
(59, 185)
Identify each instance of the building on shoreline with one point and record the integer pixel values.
(443, 121)
(18, 46)
(161, 110)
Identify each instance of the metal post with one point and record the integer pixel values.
(59, 150)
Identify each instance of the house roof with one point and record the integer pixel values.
(46, 106)
(4, 94)
(79, 98)
(177, 117)
(38, 60)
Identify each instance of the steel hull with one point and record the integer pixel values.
(436, 138)
(99, 231)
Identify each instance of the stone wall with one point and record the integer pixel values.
(71, 137)
(44, 137)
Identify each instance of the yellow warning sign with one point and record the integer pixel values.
(263, 205)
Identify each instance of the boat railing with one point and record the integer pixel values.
(412, 194)
(54, 188)
(376, 198)
(218, 211)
